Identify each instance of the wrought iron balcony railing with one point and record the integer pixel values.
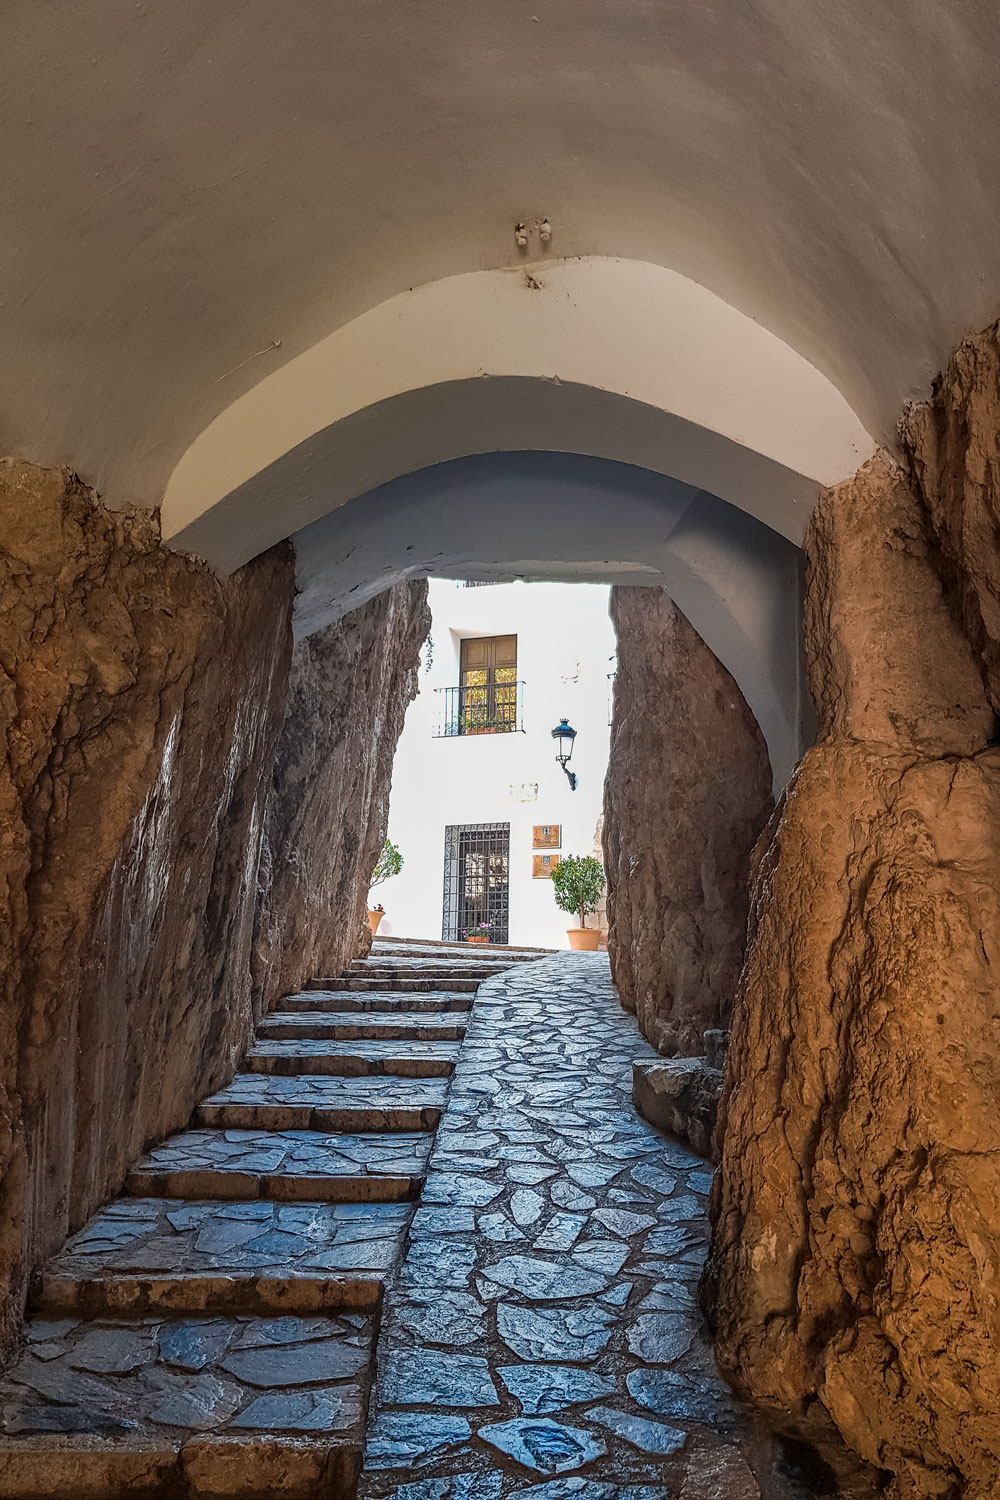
(493, 709)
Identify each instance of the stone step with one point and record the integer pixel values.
(359, 984)
(363, 969)
(167, 1255)
(442, 948)
(284, 1166)
(261, 1101)
(434, 1002)
(194, 1406)
(354, 1059)
(403, 1026)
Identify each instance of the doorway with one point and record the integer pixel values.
(476, 880)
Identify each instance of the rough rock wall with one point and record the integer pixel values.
(856, 1250)
(140, 703)
(326, 818)
(687, 793)
(953, 447)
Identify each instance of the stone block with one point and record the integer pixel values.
(680, 1095)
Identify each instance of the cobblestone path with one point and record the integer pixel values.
(212, 1333)
(542, 1337)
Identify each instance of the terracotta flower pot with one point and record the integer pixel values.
(477, 940)
(374, 918)
(584, 939)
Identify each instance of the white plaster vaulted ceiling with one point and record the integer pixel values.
(184, 185)
(611, 358)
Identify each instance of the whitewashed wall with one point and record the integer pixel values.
(565, 652)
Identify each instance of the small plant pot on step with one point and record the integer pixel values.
(477, 940)
(584, 939)
(374, 918)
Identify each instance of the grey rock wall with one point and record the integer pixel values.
(326, 817)
(687, 792)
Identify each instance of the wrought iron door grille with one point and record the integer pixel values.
(476, 880)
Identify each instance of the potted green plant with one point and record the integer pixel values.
(578, 884)
(479, 934)
(388, 864)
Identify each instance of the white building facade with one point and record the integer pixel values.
(480, 807)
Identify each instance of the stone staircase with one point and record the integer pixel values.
(212, 1332)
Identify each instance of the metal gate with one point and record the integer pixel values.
(476, 879)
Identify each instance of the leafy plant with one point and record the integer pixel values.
(578, 884)
(389, 863)
(481, 929)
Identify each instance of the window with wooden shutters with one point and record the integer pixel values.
(488, 684)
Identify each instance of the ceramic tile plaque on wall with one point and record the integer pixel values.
(542, 865)
(546, 836)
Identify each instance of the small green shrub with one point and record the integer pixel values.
(578, 884)
(389, 863)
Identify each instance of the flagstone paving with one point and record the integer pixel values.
(214, 1333)
(542, 1337)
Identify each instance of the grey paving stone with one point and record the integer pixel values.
(670, 1393)
(407, 1440)
(545, 1281)
(543, 1444)
(567, 1196)
(445, 1263)
(671, 1240)
(428, 1378)
(454, 1188)
(561, 1232)
(447, 1220)
(111, 1351)
(554, 1334)
(649, 1437)
(601, 1255)
(619, 1221)
(453, 1487)
(593, 1489)
(660, 1338)
(530, 1175)
(684, 1206)
(299, 1411)
(325, 1360)
(526, 1206)
(548, 1388)
(441, 1316)
(499, 1228)
(196, 1403)
(191, 1344)
(591, 1174)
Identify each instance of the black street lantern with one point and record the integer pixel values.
(564, 737)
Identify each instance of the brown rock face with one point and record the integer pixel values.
(141, 699)
(687, 793)
(326, 818)
(953, 446)
(856, 1251)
